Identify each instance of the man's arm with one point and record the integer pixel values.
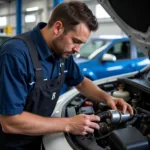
(90, 90)
(31, 124)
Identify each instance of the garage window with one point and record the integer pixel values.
(3, 21)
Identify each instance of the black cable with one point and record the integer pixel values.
(134, 118)
(102, 137)
(142, 110)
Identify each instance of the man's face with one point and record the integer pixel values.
(69, 43)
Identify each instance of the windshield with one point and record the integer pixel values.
(3, 39)
(90, 47)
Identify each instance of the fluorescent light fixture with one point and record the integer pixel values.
(30, 18)
(32, 9)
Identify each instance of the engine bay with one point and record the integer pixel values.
(117, 131)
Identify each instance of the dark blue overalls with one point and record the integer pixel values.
(41, 101)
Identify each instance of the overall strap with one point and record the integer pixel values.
(34, 56)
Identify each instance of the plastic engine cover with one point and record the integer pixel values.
(128, 139)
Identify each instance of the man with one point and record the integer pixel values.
(33, 68)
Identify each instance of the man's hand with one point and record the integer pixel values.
(120, 104)
(82, 124)
(93, 92)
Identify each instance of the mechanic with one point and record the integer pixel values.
(34, 65)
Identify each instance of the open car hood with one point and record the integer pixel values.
(133, 18)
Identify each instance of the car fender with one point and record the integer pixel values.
(89, 74)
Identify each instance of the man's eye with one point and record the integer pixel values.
(76, 41)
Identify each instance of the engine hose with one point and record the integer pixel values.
(134, 118)
(104, 115)
(146, 116)
(131, 121)
(142, 110)
(102, 137)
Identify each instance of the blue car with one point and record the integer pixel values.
(106, 56)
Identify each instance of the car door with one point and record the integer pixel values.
(124, 62)
(139, 57)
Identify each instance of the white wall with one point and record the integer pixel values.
(106, 26)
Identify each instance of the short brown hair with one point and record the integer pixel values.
(71, 14)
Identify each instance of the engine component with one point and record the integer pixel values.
(121, 93)
(117, 131)
(108, 87)
(115, 116)
(104, 128)
(128, 139)
(87, 142)
(77, 102)
(118, 117)
(86, 110)
(71, 111)
(135, 100)
(100, 107)
(88, 103)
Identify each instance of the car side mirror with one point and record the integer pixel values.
(108, 57)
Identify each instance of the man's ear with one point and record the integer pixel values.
(58, 28)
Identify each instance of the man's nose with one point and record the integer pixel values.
(76, 48)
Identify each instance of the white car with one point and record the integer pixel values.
(117, 131)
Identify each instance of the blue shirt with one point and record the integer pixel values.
(17, 76)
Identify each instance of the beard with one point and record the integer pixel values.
(58, 48)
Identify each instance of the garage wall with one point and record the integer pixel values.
(106, 26)
(9, 10)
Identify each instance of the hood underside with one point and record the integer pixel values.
(133, 18)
